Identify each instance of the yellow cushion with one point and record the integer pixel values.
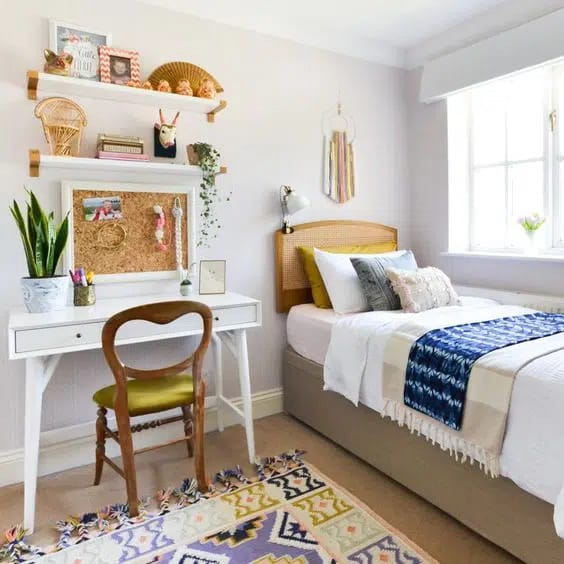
(151, 396)
(318, 290)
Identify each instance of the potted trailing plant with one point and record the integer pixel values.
(207, 158)
(43, 243)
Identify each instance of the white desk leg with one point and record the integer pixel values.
(218, 368)
(38, 372)
(245, 382)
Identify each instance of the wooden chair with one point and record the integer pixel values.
(139, 392)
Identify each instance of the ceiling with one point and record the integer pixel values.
(377, 30)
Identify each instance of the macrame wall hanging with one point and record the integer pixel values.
(339, 131)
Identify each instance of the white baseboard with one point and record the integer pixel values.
(69, 447)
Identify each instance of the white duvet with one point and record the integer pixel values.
(533, 449)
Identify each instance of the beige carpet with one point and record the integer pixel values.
(71, 492)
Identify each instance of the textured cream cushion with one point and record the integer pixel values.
(422, 289)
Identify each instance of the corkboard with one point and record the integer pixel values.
(138, 253)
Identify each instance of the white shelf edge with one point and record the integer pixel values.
(50, 84)
(103, 165)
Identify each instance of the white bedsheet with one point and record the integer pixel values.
(308, 329)
(533, 449)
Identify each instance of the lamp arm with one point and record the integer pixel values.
(284, 191)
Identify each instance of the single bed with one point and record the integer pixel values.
(498, 509)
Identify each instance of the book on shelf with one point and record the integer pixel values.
(120, 144)
(116, 156)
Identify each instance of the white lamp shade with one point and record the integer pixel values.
(295, 203)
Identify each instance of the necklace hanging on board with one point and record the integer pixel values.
(339, 132)
(177, 213)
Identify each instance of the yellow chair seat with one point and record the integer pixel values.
(151, 396)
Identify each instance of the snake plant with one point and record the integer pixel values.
(42, 240)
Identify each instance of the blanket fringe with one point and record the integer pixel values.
(460, 449)
(78, 529)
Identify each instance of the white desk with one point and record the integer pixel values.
(42, 338)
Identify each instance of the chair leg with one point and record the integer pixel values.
(101, 423)
(203, 485)
(126, 447)
(188, 429)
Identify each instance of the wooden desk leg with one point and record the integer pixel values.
(218, 369)
(245, 382)
(38, 372)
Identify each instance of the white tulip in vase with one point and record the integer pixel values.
(531, 224)
(43, 243)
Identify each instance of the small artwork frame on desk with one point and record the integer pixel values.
(80, 42)
(119, 66)
(212, 277)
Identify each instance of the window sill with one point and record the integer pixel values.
(543, 257)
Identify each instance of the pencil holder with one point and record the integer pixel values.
(84, 295)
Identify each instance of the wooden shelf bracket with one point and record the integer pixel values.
(211, 115)
(34, 162)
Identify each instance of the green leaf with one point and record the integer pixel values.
(60, 241)
(17, 215)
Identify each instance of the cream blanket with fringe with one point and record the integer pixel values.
(489, 387)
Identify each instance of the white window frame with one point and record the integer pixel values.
(553, 185)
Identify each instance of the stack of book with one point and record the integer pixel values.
(117, 147)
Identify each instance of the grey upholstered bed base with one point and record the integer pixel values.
(495, 508)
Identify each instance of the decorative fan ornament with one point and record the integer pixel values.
(178, 71)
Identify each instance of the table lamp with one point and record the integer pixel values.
(291, 203)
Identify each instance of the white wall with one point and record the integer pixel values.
(428, 169)
(270, 134)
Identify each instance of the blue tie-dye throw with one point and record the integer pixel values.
(440, 361)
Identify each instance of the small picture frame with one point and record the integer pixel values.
(80, 42)
(212, 276)
(119, 66)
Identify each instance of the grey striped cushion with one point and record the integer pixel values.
(375, 283)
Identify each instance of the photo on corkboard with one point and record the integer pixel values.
(101, 209)
(112, 230)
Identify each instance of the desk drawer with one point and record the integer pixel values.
(58, 337)
(65, 336)
(234, 316)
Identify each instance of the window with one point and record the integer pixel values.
(506, 160)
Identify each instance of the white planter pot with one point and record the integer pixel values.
(45, 294)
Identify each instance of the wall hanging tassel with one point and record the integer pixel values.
(338, 167)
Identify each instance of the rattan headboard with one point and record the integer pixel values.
(292, 286)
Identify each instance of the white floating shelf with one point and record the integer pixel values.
(41, 84)
(38, 162)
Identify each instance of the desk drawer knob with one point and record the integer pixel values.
(216, 318)
(78, 335)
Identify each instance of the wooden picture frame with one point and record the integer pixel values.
(212, 277)
(82, 43)
(111, 57)
(189, 225)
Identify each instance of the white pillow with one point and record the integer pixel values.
(341, 280)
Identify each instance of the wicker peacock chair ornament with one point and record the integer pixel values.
(63, 121)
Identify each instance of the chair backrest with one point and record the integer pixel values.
(161, 313)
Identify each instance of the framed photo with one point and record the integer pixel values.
(212, 277)
(82, 43)
(112, 229)
(119, 66)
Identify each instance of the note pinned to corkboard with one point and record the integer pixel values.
(113, 230)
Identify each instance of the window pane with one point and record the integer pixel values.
(560, 101)
(488, 123)
(525, 117)
(526, 188)
(489, 208)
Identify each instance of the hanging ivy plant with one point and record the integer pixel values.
(208, 161)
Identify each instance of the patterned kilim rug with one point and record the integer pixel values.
(289, 514)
